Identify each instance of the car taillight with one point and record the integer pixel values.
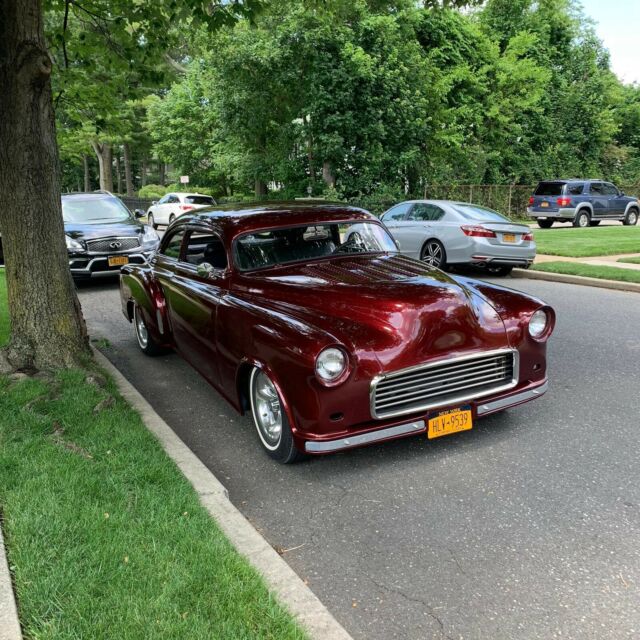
(528, 237)
(563, 202)
(476, 231)
(531, 200)
(186, 207)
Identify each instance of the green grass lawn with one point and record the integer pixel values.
(630, 260)
(105, 537)
(593, 241)
(588, 270)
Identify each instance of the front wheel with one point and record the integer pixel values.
(545, 224)
(433, 254)
(147, 344)
(151, 222)
(582, 219)
(270, 419)
(631, 218)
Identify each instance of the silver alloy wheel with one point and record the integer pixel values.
(633, 217)
(141, 328)
(583, 220)
(433, 254)
(266, 409)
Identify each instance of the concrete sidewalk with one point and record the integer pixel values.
(600, 261)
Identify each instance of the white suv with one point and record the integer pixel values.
(172, 205)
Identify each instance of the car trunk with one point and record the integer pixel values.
(507, 233)
(546, 196)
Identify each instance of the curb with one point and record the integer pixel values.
(9, 622)
(581, 280)
(281, 579)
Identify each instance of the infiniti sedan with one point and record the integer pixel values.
(445, 233)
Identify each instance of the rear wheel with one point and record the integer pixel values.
(433, 254)
(545, 224)
(147, 344)
(594, 223)
(172, 217)
(500, 271)
(582, 219)
(270, 419)
(631, 218)
(151, 222)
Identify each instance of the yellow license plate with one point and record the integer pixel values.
(508, 237)
(544, 204)
(448, 422)
(118, 261)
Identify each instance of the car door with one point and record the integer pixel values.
(616, 203)
(159, 210)
(193, 299)
(418, 227)
(599, 201)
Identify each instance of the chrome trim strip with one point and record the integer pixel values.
(87, 270)
(451, 400)
(365, 438)
(515, 399)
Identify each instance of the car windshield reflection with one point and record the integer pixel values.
(283, 245)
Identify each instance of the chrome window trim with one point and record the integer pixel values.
(462, 397)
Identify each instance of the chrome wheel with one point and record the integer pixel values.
(141, 329)
(433, 253)
(632, 217)
(266, 409)
(583, 220)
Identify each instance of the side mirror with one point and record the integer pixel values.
(139, 213)
(154, 202)
(621, 194)
(205, 270)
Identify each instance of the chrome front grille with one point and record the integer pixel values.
(444, 382)
(113, 245)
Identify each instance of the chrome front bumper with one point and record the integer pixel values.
(94, 266)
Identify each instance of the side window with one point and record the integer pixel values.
(171, 245)
(609, 189)
(205, 247)
(423, 211)
(596, 188)
(172, 199)
(575, 189)
(163, 199)
(397, 213)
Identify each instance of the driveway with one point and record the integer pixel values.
(526, 527)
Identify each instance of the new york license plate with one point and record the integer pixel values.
(508, 237)
(544, 204)
(451, 421)
(118, 261)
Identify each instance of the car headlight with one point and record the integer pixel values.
(331, 365)
(150, 239)
(72, 244)
(538, 324)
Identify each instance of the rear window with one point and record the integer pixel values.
(475, 212)
(199, 200)
(549, 189)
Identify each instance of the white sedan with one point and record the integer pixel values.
(172, 205)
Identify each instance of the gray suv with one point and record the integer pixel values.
(583, 202)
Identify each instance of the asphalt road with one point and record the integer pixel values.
(526, 527)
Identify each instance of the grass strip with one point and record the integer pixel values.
(630, 260)
(588, 271)
(593, 241)
(105, 537)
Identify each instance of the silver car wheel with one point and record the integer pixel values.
(583, 220)
(266, 409)
(633, 218)
(141, 329)
(433, 253)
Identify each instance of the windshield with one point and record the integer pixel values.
(475, 212)
(272, 247)
(94, 210)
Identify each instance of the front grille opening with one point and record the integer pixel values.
(443, 383)
(112, 245)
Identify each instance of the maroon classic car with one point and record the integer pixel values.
(326, 334)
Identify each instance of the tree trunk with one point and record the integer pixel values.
(103, 153)
(161, 172)
(47, 328)
(143, 172)
(118, 173)
(327, 174)
(87, 175)
(128, 174)
(261, 188)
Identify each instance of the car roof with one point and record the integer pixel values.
(87, 196)
(242, 218)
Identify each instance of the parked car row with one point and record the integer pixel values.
(309, 317)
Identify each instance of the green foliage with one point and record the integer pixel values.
(152, 191)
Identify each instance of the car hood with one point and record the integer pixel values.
(395, 307)
(125, 228)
